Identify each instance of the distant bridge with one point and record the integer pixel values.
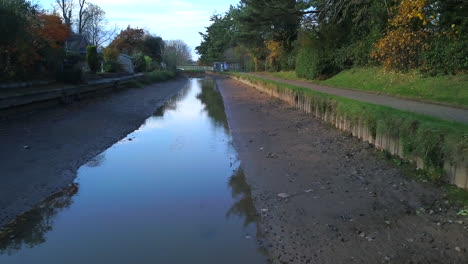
(195, 68)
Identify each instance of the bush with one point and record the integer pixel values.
(401, 49)
(313, 63)
(71, 72)
(139, 62)
(92, 58)
(156, 76)
(446, 56)
(111, 60)
(74, 75)
(148, 63)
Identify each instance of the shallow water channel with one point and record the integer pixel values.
(170, 192)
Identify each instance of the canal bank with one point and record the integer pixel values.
(326, 197)
(41, 152)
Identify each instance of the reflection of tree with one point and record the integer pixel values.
(97, 161)
(213, 101)
(244, 206)
(30, 228)
(171, 104)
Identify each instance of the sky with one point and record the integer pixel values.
(179, 19)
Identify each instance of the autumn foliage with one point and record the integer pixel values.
(406, 39)
(130, 41)
(35, 43)
(51, 30)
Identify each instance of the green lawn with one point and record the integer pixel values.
(447, 89)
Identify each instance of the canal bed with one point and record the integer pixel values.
(172, 191)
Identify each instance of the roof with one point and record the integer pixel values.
(76, 43)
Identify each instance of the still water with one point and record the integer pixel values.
(170, 192)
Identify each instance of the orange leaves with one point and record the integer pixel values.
(51, 29)
(129, 41)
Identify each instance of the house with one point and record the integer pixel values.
(77, 43)
(126, 63)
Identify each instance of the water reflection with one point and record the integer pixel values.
(97, 161)
(213, 101)
(171, 103)
(29, 229)
(244, 206)
(157, 196)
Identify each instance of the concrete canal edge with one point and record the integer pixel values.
(37, 99)
(436, 146)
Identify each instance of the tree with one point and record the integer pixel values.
(97, 28)
(154, 46)
(182, 51)
(129, 41)
(51, 30)
(31, 42)
(83, 15)
(217, 39)
(17, 55)
(65, 8)
(276, 20)
(178, 52)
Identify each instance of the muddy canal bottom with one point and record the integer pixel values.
(170, 192)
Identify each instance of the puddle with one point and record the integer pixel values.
(170, 192)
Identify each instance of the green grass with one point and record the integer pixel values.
(447, 89)
(432, 139)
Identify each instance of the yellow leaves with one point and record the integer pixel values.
(274, 48)
(400, 48)
(408, 10)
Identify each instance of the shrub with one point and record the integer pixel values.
(312, 63)
(446, 56)
(148, 63)
(407, 37)
(139, 62)
(401, 49)
(157, 76)
(71, 72)
(92, 58)
(111, 60)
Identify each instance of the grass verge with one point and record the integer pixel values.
(447, 89)
(434, 140)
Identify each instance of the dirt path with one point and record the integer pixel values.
(341, 201)
(40, 153)
(440, 111)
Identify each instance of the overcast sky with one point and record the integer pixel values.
(180, 19)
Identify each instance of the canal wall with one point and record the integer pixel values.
(436, 146)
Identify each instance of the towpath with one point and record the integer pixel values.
(435, 110)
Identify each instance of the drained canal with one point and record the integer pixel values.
(170, 192)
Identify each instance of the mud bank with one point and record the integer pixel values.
(41, 152)
(326, 197)
(446, 157)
